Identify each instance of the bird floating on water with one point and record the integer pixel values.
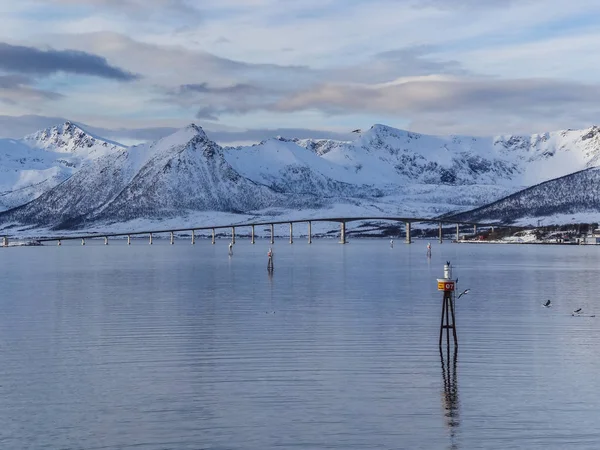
(548, 304)
(465, 292)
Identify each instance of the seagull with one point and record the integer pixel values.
(577, 311)
(548, 304)
(465, 292)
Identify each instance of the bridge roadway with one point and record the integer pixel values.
(341, 220)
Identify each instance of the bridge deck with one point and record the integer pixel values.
(277, 222)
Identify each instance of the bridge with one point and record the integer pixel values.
(407, 221)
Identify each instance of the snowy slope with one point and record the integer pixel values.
(568, 197)
(289, 168)
(35, 164)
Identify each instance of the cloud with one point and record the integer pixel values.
(15, 89)
(30, 60)
(471, 105)
(393, 64)
(439, 93)
(13, 81)
(204, 88)
(133, 7)
(208, 113)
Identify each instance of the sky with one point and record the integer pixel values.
(251, 69)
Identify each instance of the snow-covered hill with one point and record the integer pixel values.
(572, 198)
(90, 181)
(37, 163)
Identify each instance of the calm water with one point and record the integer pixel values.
(182, 347)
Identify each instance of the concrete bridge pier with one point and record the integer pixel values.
(440, 233)
(272, 234)
(193, 237)
(291, 233)
(342, 232)
(309, 232)
(233, 235)
(213, 236)
(105, 240)
(82, 241)
(128, 239)
(150, 242)
(457, 233)
(172, 238)
(408, 237)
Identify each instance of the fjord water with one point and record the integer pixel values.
(183, 347)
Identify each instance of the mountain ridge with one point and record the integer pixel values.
(383, 169)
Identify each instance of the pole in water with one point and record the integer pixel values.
(391, 243)
(270, 261)
(230, 248)
(447, 285)
(429, 249)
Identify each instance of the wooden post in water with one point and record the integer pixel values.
(342, 232)
(270, 261)
(408, 238)
(291, 233)
(193, 237)
(172, 238)
(272, 234)
(105, 240)
(213, 236)
(233, 235)
(309, 232)
(150, 239)
(447, 285)
(128, 239)
(252, 234)
(82, 241)
(440, 233)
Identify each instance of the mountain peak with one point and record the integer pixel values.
(67, 138)
(196, 129)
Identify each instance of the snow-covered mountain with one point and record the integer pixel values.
(513, 161)
(37, 163)
(384, 171)
(182, 172)
(572, 198)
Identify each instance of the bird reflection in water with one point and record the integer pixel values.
(450, 400)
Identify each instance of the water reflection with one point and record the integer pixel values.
(450, 399)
